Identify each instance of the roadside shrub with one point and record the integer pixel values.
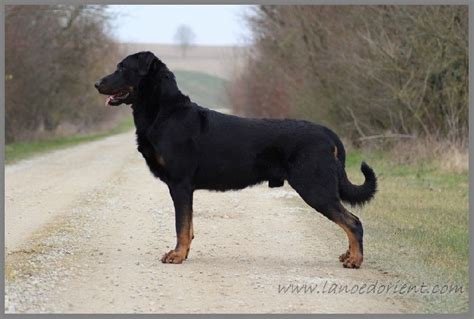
(366, 71)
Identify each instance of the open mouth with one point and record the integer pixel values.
(118, 98)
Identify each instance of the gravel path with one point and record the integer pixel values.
(86, 226)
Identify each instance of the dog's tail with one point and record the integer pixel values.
(357, 194)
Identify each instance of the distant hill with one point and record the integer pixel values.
(204, 89)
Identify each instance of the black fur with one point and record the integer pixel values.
(202, 149)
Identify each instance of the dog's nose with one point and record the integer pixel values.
(97, 84)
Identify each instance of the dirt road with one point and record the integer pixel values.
(86, 227)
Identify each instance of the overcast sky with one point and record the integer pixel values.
(212, 24)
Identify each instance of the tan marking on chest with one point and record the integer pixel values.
(160, 160)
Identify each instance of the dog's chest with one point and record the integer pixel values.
(155, 161)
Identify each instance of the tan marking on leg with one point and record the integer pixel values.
(353, 256)
(183, 245)
(350, 235)
(335, 151)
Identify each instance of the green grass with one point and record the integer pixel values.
(204, 89)
(18, 151)
(418, 226)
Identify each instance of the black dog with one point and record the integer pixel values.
(189, 147)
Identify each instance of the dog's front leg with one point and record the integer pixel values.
(182, 195)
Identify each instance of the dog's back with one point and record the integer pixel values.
(236, 152)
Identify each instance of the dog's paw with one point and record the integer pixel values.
(174, 257)
(344, 256)
(353, 262)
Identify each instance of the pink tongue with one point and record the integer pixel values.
(108, 99)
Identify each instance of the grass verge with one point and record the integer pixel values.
(418, 226)
(17, 151)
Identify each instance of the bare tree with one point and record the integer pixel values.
(52, 55)
(364, 70)
(184, 36)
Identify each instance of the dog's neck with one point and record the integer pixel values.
(158, 95)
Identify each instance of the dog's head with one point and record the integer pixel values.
(122, 85)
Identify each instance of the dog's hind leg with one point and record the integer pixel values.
(353, 227)
(316, 183)
(182, 195)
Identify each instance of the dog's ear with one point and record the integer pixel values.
(145, 62)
